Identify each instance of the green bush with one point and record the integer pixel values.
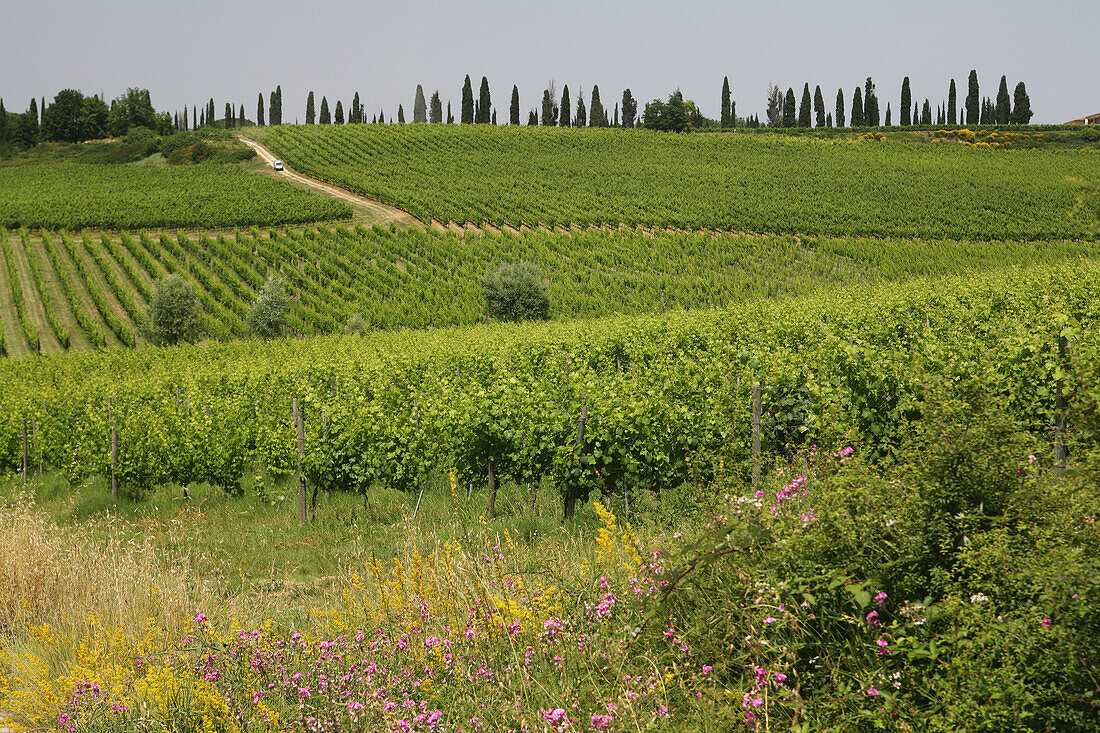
(174, 312)
(267, 317)
(516, 292)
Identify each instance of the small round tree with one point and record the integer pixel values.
(174, 311)
(267, 318)
(515, 291)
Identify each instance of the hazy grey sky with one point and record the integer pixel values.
(187, 51)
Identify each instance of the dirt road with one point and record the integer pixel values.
(373, 211)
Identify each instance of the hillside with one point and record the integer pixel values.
(742, 182)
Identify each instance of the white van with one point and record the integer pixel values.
(277, 165)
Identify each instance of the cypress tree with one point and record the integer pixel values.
(240, 117)
(839, 119)
(916, 114)
(582, 113)
(532, 118)
(311, 114)
(804, 112)
(870, 104)
(260, 111)
(194, 117)
(887, 123)
(400, 115)
(630, 109)
(467, 102)
(1021, 110)
(450, 117)
(906, 103)
(788, 108)
(484, 103)
(229, 121)
(210, 112)
(356, 109)
(565, 119)
(616, 122)
(278, 103)
(1004, 104)
(972, 100)
(477, 111)
(549, 111)
(33, 127)
(857, 108)
(597, 115)
(338, 115)
(952, 103)
(829, 120)
(374, 120)
(325, 118)
(726, 102)
(435, 116)
(926, 113)
(272, 118)
(381, 117)
(420, 106)
(5, 133)
(513, 108)
(202, 118)
(819, 107)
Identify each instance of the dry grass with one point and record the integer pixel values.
(59, 576)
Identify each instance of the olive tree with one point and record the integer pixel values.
(515, 291)
(174, 311)
(267, 317)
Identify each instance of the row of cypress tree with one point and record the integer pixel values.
(865, 112)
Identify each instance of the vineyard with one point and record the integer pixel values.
(92, 290)
(75, 195)
(663, 397)
(730, 182)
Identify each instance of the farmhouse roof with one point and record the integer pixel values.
(1089, 120)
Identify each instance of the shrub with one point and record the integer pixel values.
(267, 318)
(174, 312)
(515, 292)
(357, 324)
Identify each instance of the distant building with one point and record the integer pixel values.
(1090, 120)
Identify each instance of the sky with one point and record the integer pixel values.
(187, 52)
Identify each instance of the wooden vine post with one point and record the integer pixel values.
(757, 413)
(571, 493)
(24, 453)
(302, 504)
(1060, 417)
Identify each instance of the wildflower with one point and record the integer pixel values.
(871, 691)
(1045, 623)
(872, 619)
(979, 598)
(770, 620)
(200, 618)
(707, 670)
(880, 598)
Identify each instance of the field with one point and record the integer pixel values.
(755, 183)
(93, 290)
(77, 195)
(834, 470)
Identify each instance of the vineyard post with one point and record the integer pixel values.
(324, 437)
(423, 482)
(114, 463)
(1060, 418)
(570, 492)
(24, 453)
(301, 454)
(756, 415)
(491, 506)
(37, 445)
